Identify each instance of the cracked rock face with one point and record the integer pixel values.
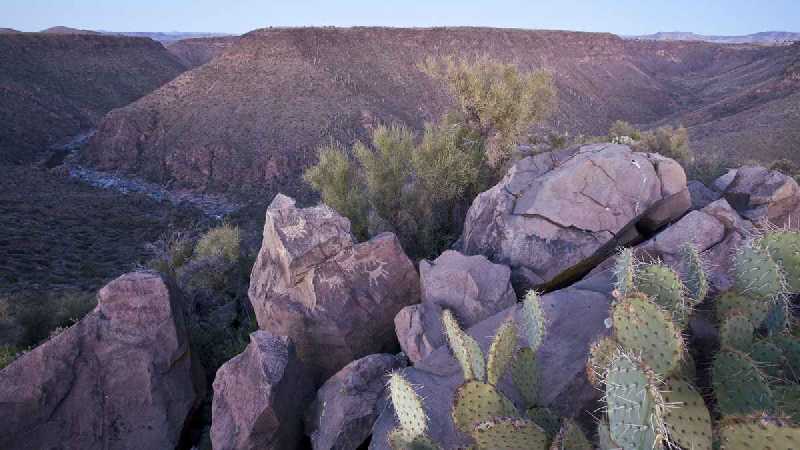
(347, 405)
(335, 299)
(554, 215)
(471, 287)
(259, 397)
(121, 378)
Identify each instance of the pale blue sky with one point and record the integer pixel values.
(238, 16)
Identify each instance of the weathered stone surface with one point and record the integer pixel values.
(121, 378)
(556, 215)
(575, 318)
(701, 195)
(346, 406)
(335, 299)
(722, 183)
(760, 194)
(470, 286)
(259, 397)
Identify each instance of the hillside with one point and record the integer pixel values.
(67, 30)
(56, 85)
(167, 36)
(763, 38)
(253, 117)
(195, 52)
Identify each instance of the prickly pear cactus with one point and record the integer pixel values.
(784, 248)
(400, 440)
(663, 286)
(739, 385)
(757, 274)
(633, 405)
(755, 308)
(758, 433)
(694, 274)
(768, 357)
(604, 441)
(625, 266)
(546, 419)
(788, 399)
(465, 349)
(601, 353)
(790, 348)
(570, 437)
(686, 416)
(477, 402)
(531, 320)
(509, 433)
(501, 352)
(525, 373)
(777, 320)
(407, 406)
(736, 332)
(642, 328)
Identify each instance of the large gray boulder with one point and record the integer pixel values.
(556, 215)
(259, 397)
(760, 194)
(575, 318)
(471, 287)
(346, 406)
(337, 300)
(121, 378)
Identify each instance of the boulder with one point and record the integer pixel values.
(556, 215)
(121, 378)
(259, 397)
(760, 194)
(337, 300)
(575, 317)
(701, 195)
(346, 406)
(471, 287)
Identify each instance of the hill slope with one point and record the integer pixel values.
(763, 38)
(56, 85)
(197, 51)
(253, 116)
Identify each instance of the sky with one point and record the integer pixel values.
(626, 17)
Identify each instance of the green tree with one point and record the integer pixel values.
(496, 100)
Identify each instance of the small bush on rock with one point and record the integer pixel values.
(668, 141)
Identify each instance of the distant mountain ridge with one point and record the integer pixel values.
(763, 38)
(169, 36)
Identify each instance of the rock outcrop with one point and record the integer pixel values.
(554, 216)
(346, 406)
(121, 378)
(575, 318)
(470, 286)
(760, 194)
(335, 299)
(701, 195)
(259, 397)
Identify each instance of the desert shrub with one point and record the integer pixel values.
(786, 167)
(215, 344)
(222, 241)
(496, 100)
(170, 253)
(8, 353)
(668, 141)
(621, 129)
(39, 315)
(336, 178)
(706, 169)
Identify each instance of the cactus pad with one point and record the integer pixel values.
(686, 417)
(784, 248)
(601, 352)
(694, 274)
(777, 320)
(571, 437)
(624, 272)
(736, 332)
(465, 349)
(768, 357)
(604, 441)
(757, 274)
(739, 386)
(663, 286)
(531, 320)
(477, 402)
(501, 352)
(790, 347)
(760, 433)
(788, 399)
(399, 439)
(546, 419)
(632, 405)
(509, 434)
(525, 373)
(407, 406)
(756, 309)
(644, 330)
